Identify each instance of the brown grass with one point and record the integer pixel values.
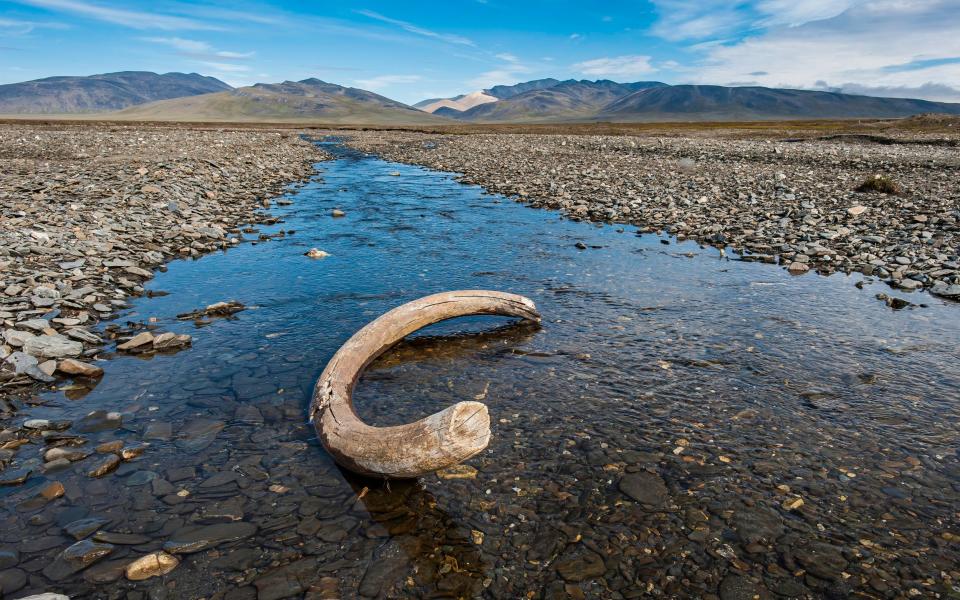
(880, 184)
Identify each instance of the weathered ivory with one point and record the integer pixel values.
(432, 443)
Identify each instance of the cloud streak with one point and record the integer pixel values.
(630, 65)
(118, 16)
(20, 27)
(198, 49)
(411, 28)
(382, 81)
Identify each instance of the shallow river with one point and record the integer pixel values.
(683, 425)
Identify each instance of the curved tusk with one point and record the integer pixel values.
(435, 442)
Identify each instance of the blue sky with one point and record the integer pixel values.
(414, 50)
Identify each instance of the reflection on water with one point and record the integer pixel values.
(682, 425)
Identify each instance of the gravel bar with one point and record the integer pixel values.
(794, 203)
(88, 212)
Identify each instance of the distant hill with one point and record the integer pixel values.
(307, 100)
(718, 103)
(464, 102)
(566, 100)
(549, 100)
(509, 91)
(459, 103)
(99, 93)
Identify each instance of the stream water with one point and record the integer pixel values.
(683, 425)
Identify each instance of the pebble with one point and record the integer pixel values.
(460, 471)
(151, 565)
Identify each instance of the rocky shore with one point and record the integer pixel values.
(795, 203)
(87, 213)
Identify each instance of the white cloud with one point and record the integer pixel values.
(876, 47)
(862, 45)
(234, 55)
(616, 66)
(225, 67)
(20, 27)
(488, 79)
(411, 28)
(575, 36)
(507, 57)
(198, 49)
(798, 12)
(937, 92)
(181, 44)
(696, 19)
(119, 16)
(382, 81)
(707, 19)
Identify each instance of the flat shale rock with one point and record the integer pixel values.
(646, 488)
(287, 581)
(70, 366)
(580, 564)
(195, 539)
(76, 558)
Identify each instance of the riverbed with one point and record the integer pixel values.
(682, 424)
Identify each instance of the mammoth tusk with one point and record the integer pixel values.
(435, 442)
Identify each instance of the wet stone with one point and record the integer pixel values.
(121, 539)
(84, 527)
(646, 488)
(138, 478)
(821, 560)
(76, 558)
(151, 565)
(158, 430)
(104, 466)
(9, 558)
(39, 544)
(195, 539)
(70, 366)
(14, 476)
(12, 580)
(288, 580)
(99, 420)
(578, 563)
(738, 587)
(386, 570)
(106, 571)
(220, 479)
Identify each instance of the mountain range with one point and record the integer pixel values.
(101, 93)
(310, 99)
(136, 95)
(604, 100)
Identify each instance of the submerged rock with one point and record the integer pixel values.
(646, 488)
(195, 539)
(77, 557)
